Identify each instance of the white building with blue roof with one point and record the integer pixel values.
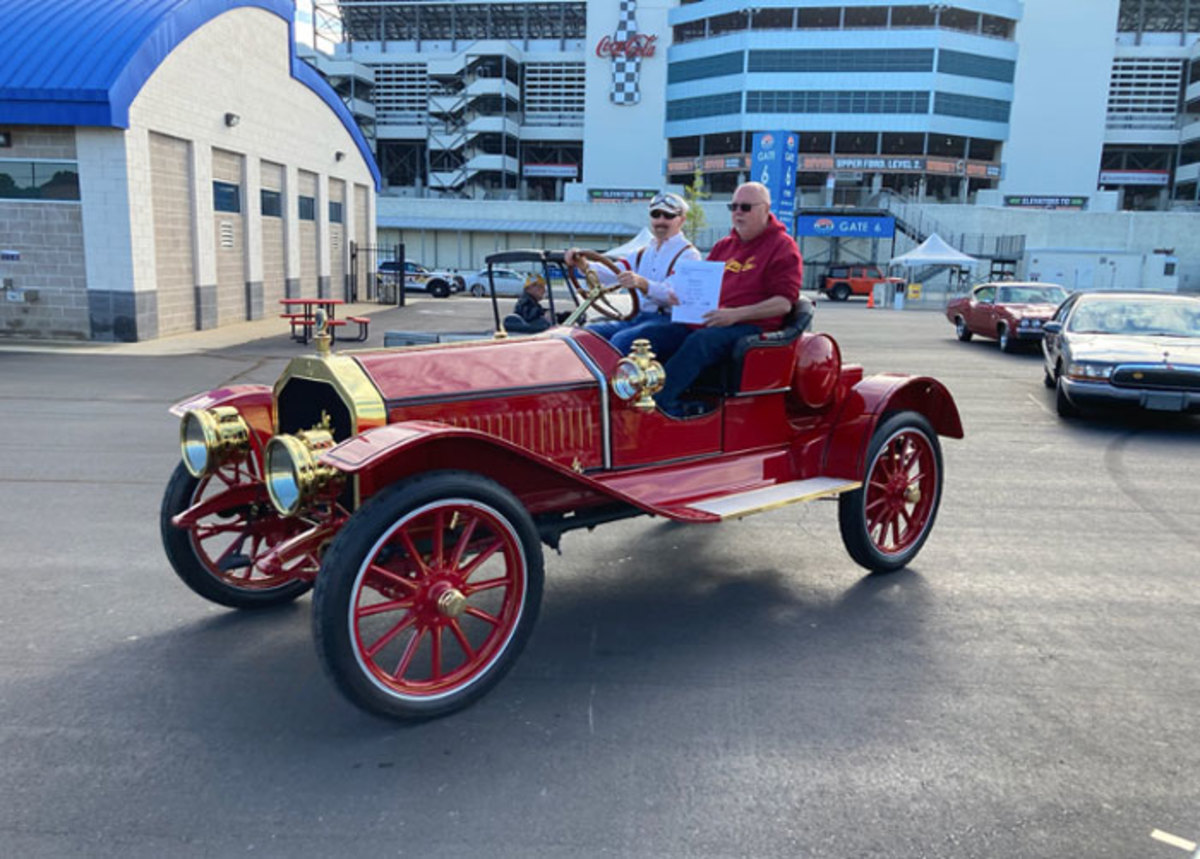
(168, 166)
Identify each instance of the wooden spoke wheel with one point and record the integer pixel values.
(428, 595)
(218, 555)
(595, 294)
(885, 523)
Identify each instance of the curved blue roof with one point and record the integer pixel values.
(82, 62)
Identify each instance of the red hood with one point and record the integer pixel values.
(472, 367)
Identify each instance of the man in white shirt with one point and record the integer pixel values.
(649, 270)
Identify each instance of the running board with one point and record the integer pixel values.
(769, 497)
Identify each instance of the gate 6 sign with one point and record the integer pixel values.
(626, 49)
(773, 163)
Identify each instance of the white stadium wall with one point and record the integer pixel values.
(1056, 130)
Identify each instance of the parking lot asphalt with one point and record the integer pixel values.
(1027, 688)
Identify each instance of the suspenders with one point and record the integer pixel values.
(637, 261)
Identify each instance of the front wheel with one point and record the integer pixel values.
(1062, 405)
(1007, 343)
(885, 523)
(840, 292)
(439, 289)
(218, 555)
(477, 290)
(428, 595)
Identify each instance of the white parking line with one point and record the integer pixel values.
(1040, 404)
(1173, 840)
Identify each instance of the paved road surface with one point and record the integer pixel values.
(1029, 688)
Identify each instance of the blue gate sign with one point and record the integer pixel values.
(773, 163)
(846, 226)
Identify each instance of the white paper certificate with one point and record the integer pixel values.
(697, 285)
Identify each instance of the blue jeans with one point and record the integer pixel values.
(687, 352)
(622, 333)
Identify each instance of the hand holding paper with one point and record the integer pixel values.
(697, 285)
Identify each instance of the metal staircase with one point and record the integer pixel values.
(915, 222)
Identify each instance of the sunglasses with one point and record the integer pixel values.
(745, 207)
(666, 216)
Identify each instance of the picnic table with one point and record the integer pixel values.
(301, 313)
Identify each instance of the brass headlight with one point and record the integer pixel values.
(639, 375)
(209, 438)
(293, 474)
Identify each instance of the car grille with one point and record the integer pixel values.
(1175, 378)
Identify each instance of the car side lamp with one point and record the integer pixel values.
(639, 375)
(294, 476)
(210, 438)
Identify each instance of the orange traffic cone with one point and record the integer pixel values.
(870, 299)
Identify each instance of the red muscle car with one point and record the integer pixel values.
(416, 492)
(1009, 311)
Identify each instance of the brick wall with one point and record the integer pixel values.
(173, 252)
(308, 238)
(50, 272)
(274, 249)
(230, 242)
(36, 141)
(337, 239)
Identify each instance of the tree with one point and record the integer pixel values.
(694, 193)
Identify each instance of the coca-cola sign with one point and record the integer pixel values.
(636, 46)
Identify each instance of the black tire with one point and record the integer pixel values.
(1007, 342)
(439, 289)
(460, 284)
(477, 290)
(1064, 407)
(204, 576)
(371, 559)
(840, 291)
(898, 433)
(1047, 379)
(961, 331)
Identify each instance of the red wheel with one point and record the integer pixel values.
(885, 523)
(217, 555)
(427, 595)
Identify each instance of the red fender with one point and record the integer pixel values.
(382, 456)
(867, 402)
(253, 402)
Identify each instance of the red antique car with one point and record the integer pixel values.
(1008, 311)
(416, 492)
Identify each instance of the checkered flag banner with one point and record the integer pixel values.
(627, 64)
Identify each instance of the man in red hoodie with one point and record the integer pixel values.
(763, 272)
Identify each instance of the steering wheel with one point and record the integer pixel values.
(593, 293)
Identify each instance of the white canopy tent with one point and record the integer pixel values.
(642, 239)
(934, 251)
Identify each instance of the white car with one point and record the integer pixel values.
(508, 282)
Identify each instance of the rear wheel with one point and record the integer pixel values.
(886, 522)
(217, 556)
(840, 291)
(428, 595)
(961, 330)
